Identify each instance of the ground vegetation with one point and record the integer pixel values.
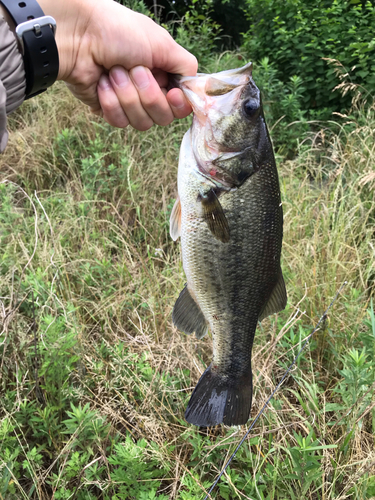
(94, 376)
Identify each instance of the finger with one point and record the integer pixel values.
(178, 103)
(112, 110)
(170, 56)
(128, 97)
(176, 99)
(180, 62)
(151, 96)
(97, 112)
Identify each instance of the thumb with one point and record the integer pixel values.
(171, 57)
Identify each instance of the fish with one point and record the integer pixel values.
(229, 217)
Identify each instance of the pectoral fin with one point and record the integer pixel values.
(277, 300)
(187, 315)
(175, 220)
(214, 215)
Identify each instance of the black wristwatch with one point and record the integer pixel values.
(36, 36)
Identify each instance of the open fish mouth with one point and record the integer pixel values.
(231, 76)
(216, 84)
(214, 98)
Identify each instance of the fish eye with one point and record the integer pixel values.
(251, 107)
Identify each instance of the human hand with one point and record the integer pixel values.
(139, 97)
(116, 61)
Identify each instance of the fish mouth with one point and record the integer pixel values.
(212, 97)
(216, 84)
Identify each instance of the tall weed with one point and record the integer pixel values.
(95, 378)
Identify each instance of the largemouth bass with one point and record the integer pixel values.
(229, 216)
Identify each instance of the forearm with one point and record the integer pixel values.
(72, 18)
(4, 13)
(12, 73)
(101, 39)
(12, 77)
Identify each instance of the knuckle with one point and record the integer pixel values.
(167, 120)
(108, 119)
(116, 121)
(123, 122)
(151, 101)
(130, 103)
(144, 126)
(110, 106)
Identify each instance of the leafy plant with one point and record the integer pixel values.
(354, 390)
(197, 32)
(136, 472)
(369, 334)
(306, 463)
(136, 5)
(297, 35)
(88, 279)
(282, 105)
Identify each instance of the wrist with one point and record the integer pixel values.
(35, 35)
(71, 18)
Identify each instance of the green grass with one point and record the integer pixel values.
(95, 378)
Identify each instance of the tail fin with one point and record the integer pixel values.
(219, 399)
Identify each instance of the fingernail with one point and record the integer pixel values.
(140, 77)
(120, 76)
(179, 105)
(104, 82)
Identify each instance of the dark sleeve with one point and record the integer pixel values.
(12, 78)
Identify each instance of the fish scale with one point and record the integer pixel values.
(231, 261)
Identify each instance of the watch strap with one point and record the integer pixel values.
(36, 34)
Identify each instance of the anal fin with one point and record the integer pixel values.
(277, 300)
(187, 315)
(214, 215)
